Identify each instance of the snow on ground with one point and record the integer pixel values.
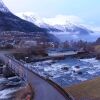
(4, 94)
(2, 79)
(8, 86)
(69, 71)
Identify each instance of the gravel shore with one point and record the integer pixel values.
(13, 88)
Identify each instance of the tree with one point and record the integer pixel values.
(98, 41)
(66, 44)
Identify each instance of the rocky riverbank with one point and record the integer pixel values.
(13, 88)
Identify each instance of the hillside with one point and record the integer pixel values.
(56, 24)
(10, 23)
(89, 90)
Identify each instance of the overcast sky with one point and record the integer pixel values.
(88, 10)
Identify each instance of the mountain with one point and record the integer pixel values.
(31, 17)
(3, 8)
(57, 24)
(12, 23)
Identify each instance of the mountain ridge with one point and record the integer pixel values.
(57, 24)
(12, 23)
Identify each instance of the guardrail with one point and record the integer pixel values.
(55, 85)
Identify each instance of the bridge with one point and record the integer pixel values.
(44, 88)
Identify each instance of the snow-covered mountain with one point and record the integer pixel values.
(3, 8)
(12, 23)
(32, 17)
(60, 23)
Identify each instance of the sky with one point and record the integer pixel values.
(89, 10)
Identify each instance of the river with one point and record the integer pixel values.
(68, 71)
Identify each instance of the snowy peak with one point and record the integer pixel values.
(58, 20)
(63, 20)
(3, 8)
(60, 23)
(71, 24)
(31, 17)
(34, 18)
(9, 23)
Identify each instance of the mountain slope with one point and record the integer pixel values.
(57, 24)
(10, 23)
(31, 17)
(3, 8)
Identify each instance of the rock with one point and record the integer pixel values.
(80, 73)
(53, 62)
(77, 67)
(65, 68)
(98, 57)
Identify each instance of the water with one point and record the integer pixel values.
(89, 69)
(9, 87)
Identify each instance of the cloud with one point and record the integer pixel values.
(59, 20)
(96, 29)
(63, 19)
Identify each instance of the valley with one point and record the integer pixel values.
(48, 57)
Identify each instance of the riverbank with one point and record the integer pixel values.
(13, 88)
(87, 90)
(24, 93)
(68, 71)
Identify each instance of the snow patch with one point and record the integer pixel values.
(4, 94)
(3, 8)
